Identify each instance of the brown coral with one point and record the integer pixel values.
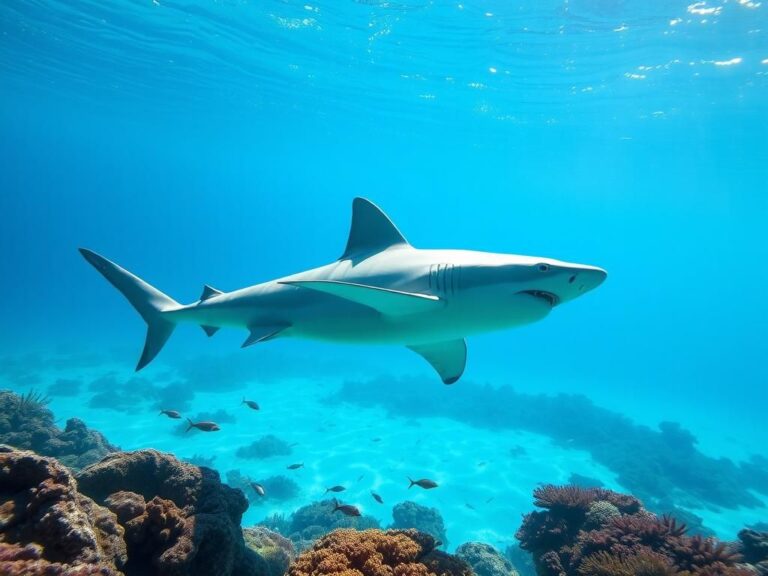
(157, 532)
(179, 518)
(377, 553)
(46, 525)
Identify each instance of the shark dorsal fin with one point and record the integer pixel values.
(371, 231)
(209, 292)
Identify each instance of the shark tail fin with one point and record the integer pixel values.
(148, 301)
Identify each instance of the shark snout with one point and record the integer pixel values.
(586, 278)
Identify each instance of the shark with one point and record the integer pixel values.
(381, 290)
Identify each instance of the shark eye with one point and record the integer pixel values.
(543, 267)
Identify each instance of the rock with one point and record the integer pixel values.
(485, 560)
(179, 518)
(27, 424)
(275, 550)
(47, 527)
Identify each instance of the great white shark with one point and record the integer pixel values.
(381, 290)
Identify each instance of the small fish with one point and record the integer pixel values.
(252, 404)
(204, 426)
(346, 509)
(170, 413)
(295, 466)
(377, 498)
(489, 500)
(425, 483)
(468, 505)
(335, 489)
(360, 477)
(258, 488)
(377, 439)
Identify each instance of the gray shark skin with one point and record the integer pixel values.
(380, 291)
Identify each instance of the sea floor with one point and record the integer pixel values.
(485, 477)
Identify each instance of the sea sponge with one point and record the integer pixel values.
(377, 553)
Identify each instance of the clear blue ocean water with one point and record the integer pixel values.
(223, 143)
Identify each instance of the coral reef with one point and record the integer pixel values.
(377, 553)
(27, 424)
(65, 387)
(128, 397)
(521, 559)
(178, 517)
(278, 488)
(207, 461)
(47, 527)
(565, 539)
(276, 551)
(753, 547)
(277, 523)
(485, 560)
(647, 462)
(265, 447)
(158, 533)
(424, 519)
(317, 519)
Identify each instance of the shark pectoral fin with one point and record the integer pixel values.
(448, 358)
(384, 300)
(263, 333)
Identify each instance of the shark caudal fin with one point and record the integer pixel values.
(148, 301)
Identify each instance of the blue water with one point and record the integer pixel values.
(223, 143)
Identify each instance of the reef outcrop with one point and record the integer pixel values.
(377, 553)
(485, 560)
(753, 546)
(422, 518)
(47, 527)
(179, 519)
(27, 424)
(571, 538)
(275, 551)
(310, 522)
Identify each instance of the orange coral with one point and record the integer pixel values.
(377, 553)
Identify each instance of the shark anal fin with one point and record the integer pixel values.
(384, 300)
(371, 231)
(209, 330)
(263, 333)
(209, 292)
(447, 358)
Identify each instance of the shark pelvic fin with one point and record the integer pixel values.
(383, 300)
(371, 231)
(209, 330)
(263, 333)
(448, 358)
(209, 292)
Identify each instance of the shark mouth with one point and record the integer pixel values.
(548, 297)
